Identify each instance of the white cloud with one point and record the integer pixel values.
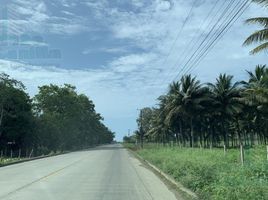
(100, 84)
(163, 5)
(112, 50)
(33, 16)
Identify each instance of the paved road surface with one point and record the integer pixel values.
(104, 173)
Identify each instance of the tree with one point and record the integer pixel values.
(260, 36)
(144, 123)
(194, 98)
(77, 123)
(255, 97)
(56, 119)
(225, 94)
(211, 114)
(7, 86)
(16, 118)
(174, 110)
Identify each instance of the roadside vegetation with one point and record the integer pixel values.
(212, 137)
(224, 113)
(56, 119)
(210, 173)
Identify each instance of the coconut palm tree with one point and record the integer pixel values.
(255, 96)
(225, 94)
(259, 36)
(256, 89)
(173, 118)
(193, 98)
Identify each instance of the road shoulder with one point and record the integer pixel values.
(178, 189)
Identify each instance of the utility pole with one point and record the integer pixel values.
(141, 127)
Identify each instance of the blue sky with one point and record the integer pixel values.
(116, 51)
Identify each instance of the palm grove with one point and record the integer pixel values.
(212, 114)
(56, 119)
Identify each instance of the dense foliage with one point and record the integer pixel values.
(56, 119)
(212, 114)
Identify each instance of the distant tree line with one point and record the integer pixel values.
(56, 119)
(212, 114)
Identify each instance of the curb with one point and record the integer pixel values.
(166, 176)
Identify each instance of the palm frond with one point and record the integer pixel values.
(258, 20)
(259, 48)
(258, 36)
(262, 2)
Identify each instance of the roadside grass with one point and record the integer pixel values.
(4, 161)
(7, 160)
(210, 173)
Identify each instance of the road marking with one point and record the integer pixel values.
(40, 179)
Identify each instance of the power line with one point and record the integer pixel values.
(183, 25)
(236, 17)
(209, 35)
(195, 37)
(186, 20)
(221, 30)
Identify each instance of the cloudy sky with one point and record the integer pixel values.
(121, 53)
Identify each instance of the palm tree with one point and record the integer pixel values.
(192, 112)
(257, 87)
(193, 98)
(258, 74)
(225, 95)
(173, 118)
(255, 96)
(260, 36)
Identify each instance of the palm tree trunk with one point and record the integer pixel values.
(224, 133)
(1, 119)
(192, 133)
(239, 132)
(181, 134)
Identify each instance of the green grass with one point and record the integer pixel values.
(211, 174)
(8, 160)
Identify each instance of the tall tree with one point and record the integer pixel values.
(225, 94)
(16, 118)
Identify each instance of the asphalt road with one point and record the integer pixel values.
(104, 173)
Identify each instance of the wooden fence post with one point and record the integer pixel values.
(267, 151)
(19, 153)
(224, 149)
(31, 154)
(242, 154)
